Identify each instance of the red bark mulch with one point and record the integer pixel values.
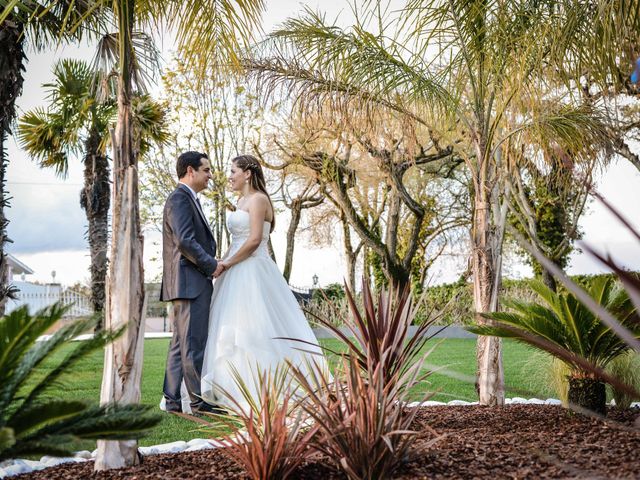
(517, 441)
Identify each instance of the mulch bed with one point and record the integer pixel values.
(517, 441)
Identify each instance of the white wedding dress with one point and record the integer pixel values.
(251, 307)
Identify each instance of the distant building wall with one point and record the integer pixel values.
(37, 297)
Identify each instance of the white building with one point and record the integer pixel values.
(38, 296)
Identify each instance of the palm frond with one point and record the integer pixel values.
(99, 339)
(41, 135)
(150, 122)
(31, 424)
(18, 334)
(210, 34)
(110, 422)
(567, 323)
(58, 21)
(145, 67)
(322, 63)
(34, 417)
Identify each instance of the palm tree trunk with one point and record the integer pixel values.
(95, 199)
(12, 60)
(490, 383)
(549, 280)
(588, 393)
(125, 288)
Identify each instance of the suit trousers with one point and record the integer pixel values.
(190, 320)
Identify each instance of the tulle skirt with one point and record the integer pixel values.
(252, 312)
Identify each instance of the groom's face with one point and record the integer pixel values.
(202, 175)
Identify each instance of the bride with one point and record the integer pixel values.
(252, 305)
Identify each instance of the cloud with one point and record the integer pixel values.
(45, 218)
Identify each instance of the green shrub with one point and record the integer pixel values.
(455, 300)
(32, 421)
(332, 292)
(625, 368)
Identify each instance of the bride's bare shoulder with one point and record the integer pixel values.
(258, 200)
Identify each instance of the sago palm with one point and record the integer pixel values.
(564, 322)
(34, 420)
(76, 123)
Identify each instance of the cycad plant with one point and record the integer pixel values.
(563, 322)
(35, 421)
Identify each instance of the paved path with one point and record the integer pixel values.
(159, 324)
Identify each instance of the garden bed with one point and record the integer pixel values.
(517, 441)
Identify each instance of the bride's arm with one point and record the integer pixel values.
(257, 213)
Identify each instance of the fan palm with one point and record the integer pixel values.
(472, 73)
(32, 420)
(76, 122)
(564, 322)
(39, 23)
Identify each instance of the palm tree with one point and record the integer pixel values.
(40, 23)
(209, 35)
(32, 421)
(567, 324)
(76, 122)
(473, 74)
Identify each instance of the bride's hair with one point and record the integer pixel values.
(251, 163)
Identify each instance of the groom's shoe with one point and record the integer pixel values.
(207, 408)
(173, 409)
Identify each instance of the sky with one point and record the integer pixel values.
(48, 226)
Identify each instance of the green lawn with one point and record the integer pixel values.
(524, 370)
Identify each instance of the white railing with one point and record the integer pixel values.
(37, 299)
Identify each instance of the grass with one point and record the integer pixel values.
(524, 370)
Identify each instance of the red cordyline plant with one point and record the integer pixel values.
(360, 414)
(360, 420)
(274, 437)
(379, 335)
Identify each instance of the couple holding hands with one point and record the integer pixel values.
(236, 324)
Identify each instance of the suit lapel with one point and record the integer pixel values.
(195, 205)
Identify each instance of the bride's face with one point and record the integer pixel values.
(238, 178)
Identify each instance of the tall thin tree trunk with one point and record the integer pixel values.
(488, 349)
(296, 212)
(95, 199)
(12, 60)
(549, 280)
(350, 255)
(125, 291)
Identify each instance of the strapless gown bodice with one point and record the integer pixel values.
(239, 227)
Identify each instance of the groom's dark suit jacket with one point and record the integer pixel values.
(188, 248)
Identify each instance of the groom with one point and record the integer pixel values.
(188, 255)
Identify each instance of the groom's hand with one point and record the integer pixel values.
(220, 268)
